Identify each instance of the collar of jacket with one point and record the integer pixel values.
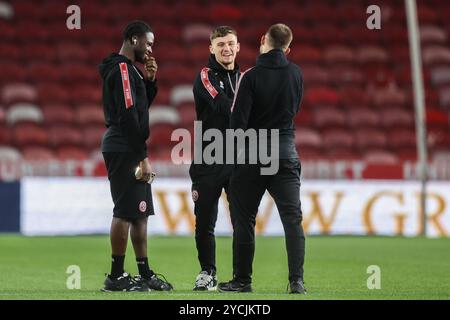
(214, 65)
(273, 59)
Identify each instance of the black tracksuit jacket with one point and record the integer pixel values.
(213, 95)
(268, 97)
(126, 100)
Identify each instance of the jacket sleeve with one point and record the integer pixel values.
(124, 92)
(151, 88)
(207, 89)
(242, 104)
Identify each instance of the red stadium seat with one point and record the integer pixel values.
(97, 51)
(438, 139)
(71, 52)
(397, 34)
(370, 138)
(347, 154)
(328, 33)
(92, 136)
(388, 97)
(427, 15)
(187, 114)
(371, 54)
(357, 36)
(63, 135)
(163, 114)
(25, 134)
(79, 73)
(86, 94)
(431, 34)
(71, 153)
(401, 138)
(53, 93)
(339, 54)
(7, 31)
(12, 72)
(24, 112)
(363, 117)
(321, 96)
(196, 32)
(346, 75)
(433, 55)
(337, 138)
(304, 118)
(440, 75)
(89, 114)
(38, 153)
(380, 156)
(5, 135)
(58, 114)
(160, 134)
(8, 50)
(394, 117)
(181, 94)
(41, 71)
(18, 92)
(306, 54)
(444, 96)
(352, 96)
(437, 118)
(306, 137)
(315, 75)
(10, 154)
(329, 117)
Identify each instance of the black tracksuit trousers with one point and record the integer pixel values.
(209, 189)
(247, 187)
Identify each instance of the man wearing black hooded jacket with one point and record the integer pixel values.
(127, 95)
(214, 90)
(268, 98)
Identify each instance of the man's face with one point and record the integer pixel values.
(143, 47)
(225, 49)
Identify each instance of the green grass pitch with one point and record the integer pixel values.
(336, 268)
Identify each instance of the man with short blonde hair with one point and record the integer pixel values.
(214, 90)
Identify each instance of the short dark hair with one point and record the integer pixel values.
(280, 36)
(136, 28)
(222, 31)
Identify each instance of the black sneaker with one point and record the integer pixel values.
(297, 287)
(154, 283)
(234, 286)
(205, 281)
(125, 282)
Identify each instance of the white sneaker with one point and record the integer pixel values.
(205, 282)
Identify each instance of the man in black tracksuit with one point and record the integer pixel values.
(214, 90)
(127, 95)
(268, 97)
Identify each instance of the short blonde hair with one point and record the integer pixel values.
(280, 36)
(222, 31)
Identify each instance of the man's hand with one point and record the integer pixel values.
(144, 171)
(151, 67)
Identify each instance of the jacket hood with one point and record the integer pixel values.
(109, 62)
(214, 65)
(273, 59)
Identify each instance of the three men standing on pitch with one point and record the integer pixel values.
(268, 97)
(214, 90)
(127, 95)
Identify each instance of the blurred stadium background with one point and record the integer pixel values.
(355, 133)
